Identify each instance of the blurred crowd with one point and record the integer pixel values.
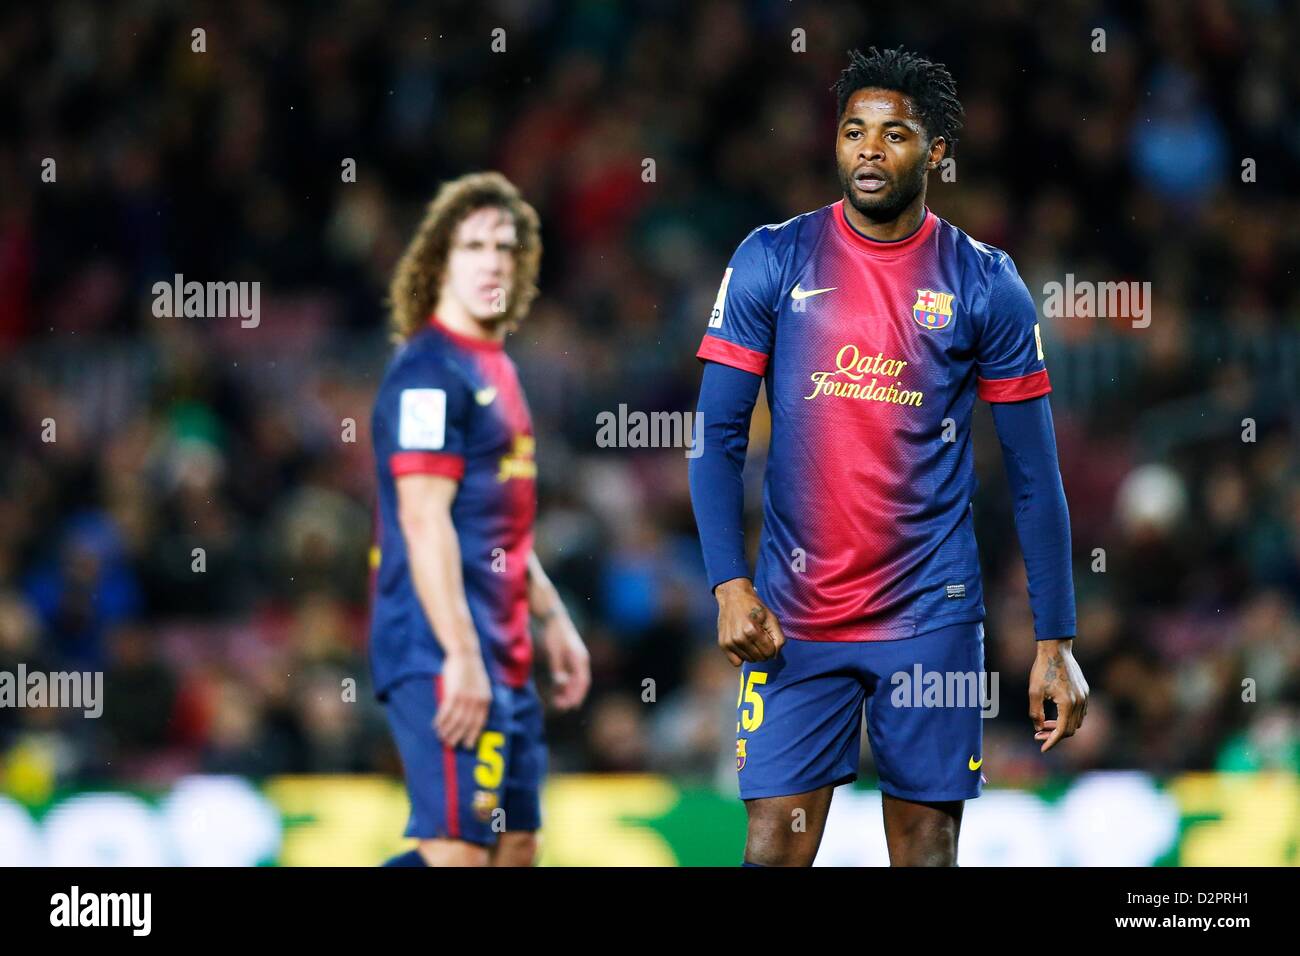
(184, 506)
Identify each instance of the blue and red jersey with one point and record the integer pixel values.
(873, 354)
(452, 405)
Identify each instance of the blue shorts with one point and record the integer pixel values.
(459, 793)
(799, 716)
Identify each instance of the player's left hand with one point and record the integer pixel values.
(1056, 676)
(569, 662)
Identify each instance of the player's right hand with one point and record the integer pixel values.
(747, 628)
(466, 699)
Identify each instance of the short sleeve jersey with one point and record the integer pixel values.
(452, 405)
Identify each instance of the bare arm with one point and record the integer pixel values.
(433, 550)
(543, 600)
(568, 658)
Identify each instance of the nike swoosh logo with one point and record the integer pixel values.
(484, 396)
(798, 294)
(975, 764)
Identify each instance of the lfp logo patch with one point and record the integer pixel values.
(932, 310)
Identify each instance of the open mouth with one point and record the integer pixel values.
(869, 181)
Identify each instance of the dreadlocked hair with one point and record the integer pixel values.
(929, 85)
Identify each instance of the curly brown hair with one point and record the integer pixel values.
(413, 293)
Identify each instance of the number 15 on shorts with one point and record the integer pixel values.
(749, 704)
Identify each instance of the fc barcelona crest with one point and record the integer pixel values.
(932, 310)
(740, 753)
(485, 802)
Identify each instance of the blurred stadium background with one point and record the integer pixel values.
(225, 737)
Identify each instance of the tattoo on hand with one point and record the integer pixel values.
(1053, 663)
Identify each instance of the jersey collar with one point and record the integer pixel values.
(465, 341)
(885, 249)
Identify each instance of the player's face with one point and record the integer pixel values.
(481, 263)
(882, 153)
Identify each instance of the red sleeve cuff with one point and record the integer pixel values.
(427, 463)
(1014, 389)
(715, 349)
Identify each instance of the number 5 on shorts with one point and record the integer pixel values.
(491, 765)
